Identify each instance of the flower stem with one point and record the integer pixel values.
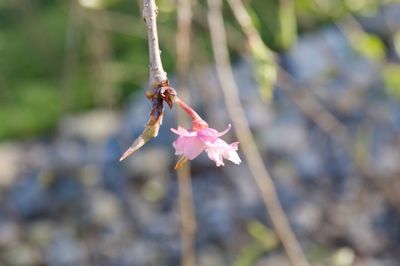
(197, 122)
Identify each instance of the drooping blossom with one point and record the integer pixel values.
(191, 143)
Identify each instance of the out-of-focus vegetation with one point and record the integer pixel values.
(329, 136)
(67, 56)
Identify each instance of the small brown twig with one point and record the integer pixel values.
(249, 147)
(188, 220)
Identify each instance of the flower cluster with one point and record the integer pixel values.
(191, 143)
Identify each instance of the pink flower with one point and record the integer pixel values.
(191, 143)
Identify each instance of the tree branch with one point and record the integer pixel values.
(249, 147)
(159, 89)
(187, 215)
(157, 73)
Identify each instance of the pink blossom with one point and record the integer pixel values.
(191, 143)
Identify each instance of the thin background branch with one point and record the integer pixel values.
(188, 220)
(251, 153)
(71, 58)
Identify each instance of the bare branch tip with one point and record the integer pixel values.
(126, 154)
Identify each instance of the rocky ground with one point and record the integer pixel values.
(67, 201)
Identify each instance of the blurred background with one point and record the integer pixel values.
(72, 81)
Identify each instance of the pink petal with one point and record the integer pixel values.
(179, 145)
(220, 149)
(220, 134)
(232, 156)
(183, 132)
(215, 156)
(234, 145)
(192, 147)
(218, 144)
(210, 134)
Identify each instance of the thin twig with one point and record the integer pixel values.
(159, 90)
(71, 58)
(251, 153)
(101, 51)
(306, 102)
(188, 220)
(245, 22)
(157, 73)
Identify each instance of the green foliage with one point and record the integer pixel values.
(249, 255)
(391, 75)
(108, 51)
(370, 46)
(266, 73)
(31, 49)
(287, 34)
(34, 108)
(99, 4)
(266, 13)
(264, 240)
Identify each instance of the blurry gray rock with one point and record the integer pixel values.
(66, 193)
(248, 194)
(11, 162)
(154, 189)
(309, 165)
(41, 233)
(103, 208)
(211, 256)
(165, 227)
(144, 211)
(213, 209)
(369, 261)
(21, 254)
(150, 161)
(9, 233)
(286, 135)
(274, 260)
(94, 126)
(65, 250)
(68, 153)
(139, 253)
(309, 58)
(387, 161)
(38, 156)
(355, 220)
(28, 198)
(307, 216)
